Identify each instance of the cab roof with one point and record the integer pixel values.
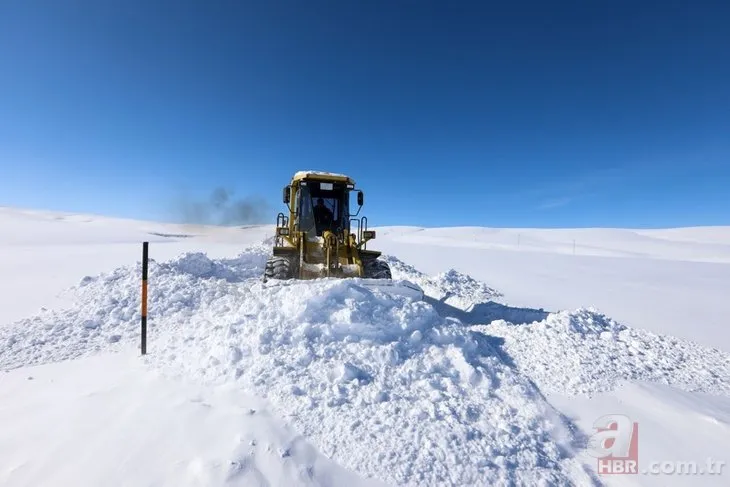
(322, 176)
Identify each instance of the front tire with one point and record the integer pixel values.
(279, 268)
(376, 269)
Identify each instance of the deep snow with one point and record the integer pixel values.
(381, 384)
(110, 420)
(472, 385)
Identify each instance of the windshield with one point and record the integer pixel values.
(323, 206)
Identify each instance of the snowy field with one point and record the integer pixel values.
(526, 337)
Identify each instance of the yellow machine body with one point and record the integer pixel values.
(318, 236)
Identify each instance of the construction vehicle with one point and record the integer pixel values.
(319, 237)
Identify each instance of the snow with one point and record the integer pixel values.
(109, 420)
(495, 378)
(696, 245)
(667, 288)
(44, 253)
(584, 352)
(305, 174)
(676, 428)
(343, 362)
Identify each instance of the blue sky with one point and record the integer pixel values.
(546, 114)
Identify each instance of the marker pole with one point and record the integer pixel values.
(145, 252)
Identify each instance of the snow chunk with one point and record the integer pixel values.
(350, 373)
(90, 324)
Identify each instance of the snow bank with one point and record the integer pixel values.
(390, 388)
(585, 352)
(383, 385)
(106, 312)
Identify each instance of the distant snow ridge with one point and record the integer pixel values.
(585, 352)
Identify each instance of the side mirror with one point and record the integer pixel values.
(287, 194)
(360, 198)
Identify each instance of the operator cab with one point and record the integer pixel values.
(323, 206)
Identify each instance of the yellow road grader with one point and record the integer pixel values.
(319, 237)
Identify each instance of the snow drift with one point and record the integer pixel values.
(585, 352)
(394, 389)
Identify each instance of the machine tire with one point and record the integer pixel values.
(376, 269)
(280, 268)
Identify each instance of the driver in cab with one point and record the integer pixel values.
(322, 215)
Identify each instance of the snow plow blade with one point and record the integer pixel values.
(393, 287)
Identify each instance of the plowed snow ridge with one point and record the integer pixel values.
(585, 352)
(383, 385)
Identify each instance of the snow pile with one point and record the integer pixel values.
(106, 314)
(384, 385)
(585, 352)
(451, 287)
(381, 384)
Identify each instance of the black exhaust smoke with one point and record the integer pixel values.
(222, 208)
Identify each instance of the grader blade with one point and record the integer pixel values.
(393, 287)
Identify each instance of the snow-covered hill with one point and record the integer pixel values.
(491, 380)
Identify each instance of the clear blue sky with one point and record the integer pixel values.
(548, 114)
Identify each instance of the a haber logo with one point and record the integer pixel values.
(615, 444)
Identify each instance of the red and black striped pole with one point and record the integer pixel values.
(145, 251)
